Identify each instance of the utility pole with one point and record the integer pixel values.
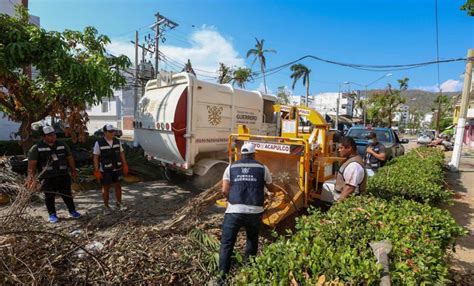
(466, 92)
(166, 23)
(364, 107)
(135, 97)
(337, 107)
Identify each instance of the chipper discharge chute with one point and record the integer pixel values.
(300, 159)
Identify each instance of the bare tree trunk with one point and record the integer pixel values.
(307, 94)
(264, 80)
(25, 135)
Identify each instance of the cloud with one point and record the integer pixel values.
(261, 88)
(207, 48)
(450, 85)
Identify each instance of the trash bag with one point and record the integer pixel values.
(19, 164)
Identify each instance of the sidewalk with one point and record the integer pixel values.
(463, 211)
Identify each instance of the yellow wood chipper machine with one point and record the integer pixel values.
(300, 159)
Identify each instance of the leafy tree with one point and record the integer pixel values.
(283, 95)
(259, 53)
(468, 7)
(225, 74)
(383, 105)
(443, 108)
(188, 67)
(72, 70)
(241, 76)
(301, 71)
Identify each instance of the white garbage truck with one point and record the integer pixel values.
(185, 124)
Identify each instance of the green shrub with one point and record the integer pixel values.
(336, 244)
(418, 176)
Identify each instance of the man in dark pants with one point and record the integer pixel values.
(51, 159)
(110, 166)
(375, 154)
(243, 186)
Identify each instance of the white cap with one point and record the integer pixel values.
(248, 148)
(109, 127)
(47, 130)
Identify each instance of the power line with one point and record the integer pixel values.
(437, 41)
(378, 68)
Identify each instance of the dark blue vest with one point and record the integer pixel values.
(370, 161)
(52, 160)
(247, 181)
(110, 155)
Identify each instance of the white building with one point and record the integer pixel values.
(426, 121)
(402, 116)
(8, 127)
(117, 111)
(326, 103)
(301, 100)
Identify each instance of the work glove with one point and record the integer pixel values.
(125, 169)
(97, 175)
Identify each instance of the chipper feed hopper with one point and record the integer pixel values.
(300, 159)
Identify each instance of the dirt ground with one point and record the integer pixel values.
(147, 203)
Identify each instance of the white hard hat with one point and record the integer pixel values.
(48, 130)
(248, 148)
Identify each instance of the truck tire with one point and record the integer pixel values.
(209, 179)
(172, 176)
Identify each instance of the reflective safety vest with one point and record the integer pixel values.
(370, 161)
(247, 182)
(340, 182)
(110, 155)
(51, 159)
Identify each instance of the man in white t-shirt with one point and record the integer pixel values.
(351, 177)
(243, 185)
(109, 166)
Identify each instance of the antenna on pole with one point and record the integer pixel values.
(161, 25)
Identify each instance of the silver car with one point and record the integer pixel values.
(424, 139)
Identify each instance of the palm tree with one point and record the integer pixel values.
(241, 76)
(301, 71)
(225, 74)
(259, 53)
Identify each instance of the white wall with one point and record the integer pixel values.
(326, 103)
(8, 6)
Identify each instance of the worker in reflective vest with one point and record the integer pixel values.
(375, 154)
(243, 185)
(50, 159)
(351, 178)
(109, 166)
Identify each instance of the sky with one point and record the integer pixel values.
(370, 32)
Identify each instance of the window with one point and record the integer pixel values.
(105, 107)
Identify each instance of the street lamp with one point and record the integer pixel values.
(366, 87)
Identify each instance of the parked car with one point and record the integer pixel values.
(386, 136)
(424, 139)
(117, 132)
